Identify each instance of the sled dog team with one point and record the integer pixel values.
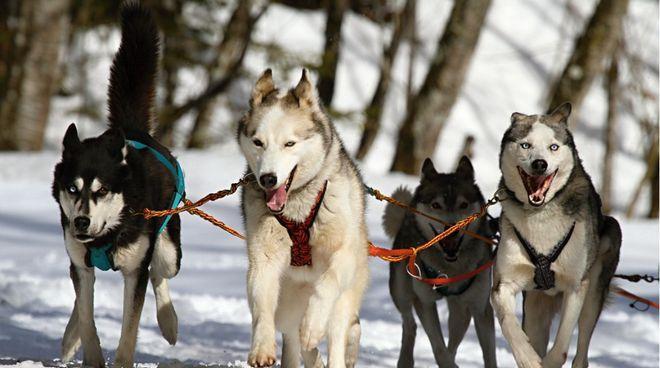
(306, 234)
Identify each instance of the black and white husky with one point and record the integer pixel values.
(556, 246)
(99, 185)
(449, 197)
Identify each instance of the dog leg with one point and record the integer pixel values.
(428, 315)
(290, 350)
(593, 304)
(353, 343)
(166, 315)
(312, 359)
(539, 309)
(84, 285)
(71, 341)
(135, 286)
(503, 299)
(570, 311)
(408, 334)
(338, 333)
(263, 291)
(325, 299)
(459, 321)
(484, 324)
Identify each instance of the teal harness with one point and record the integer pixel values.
(100, 257)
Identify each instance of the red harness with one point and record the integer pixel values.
(299, 232)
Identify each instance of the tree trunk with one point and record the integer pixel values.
(653, 211)
(230, 54)
(467, 150)
(335, 10)
(589, 55)
(610, 134)
(374, 111)
(32, 79)
(651, 171)
(431, 108)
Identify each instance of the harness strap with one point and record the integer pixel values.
(100, 257)
(440, 289)
(544, 277)
(299, 232)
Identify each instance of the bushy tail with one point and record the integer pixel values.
(133, 72)
(393, 216)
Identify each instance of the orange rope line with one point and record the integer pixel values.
(381, 197)
(389, 255)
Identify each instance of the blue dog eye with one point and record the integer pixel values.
(554, 147)
(72, 189)
(525, 145)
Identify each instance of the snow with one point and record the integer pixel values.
(523, 46)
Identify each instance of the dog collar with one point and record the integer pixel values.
(544, 277)
(101, 257)
(299, 232)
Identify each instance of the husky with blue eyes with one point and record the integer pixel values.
(99, 185)
(556, 247)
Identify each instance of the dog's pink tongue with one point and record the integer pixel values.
(276, 199)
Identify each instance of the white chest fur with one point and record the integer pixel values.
(543, 230)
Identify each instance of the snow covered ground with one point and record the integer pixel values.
(523, 46)
(36, 295)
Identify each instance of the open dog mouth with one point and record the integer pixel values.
(451, 244)
(536, 186)
(276, 198)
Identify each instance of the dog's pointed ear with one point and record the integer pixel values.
(428, 170)
(464, 169)
(116, 142)
(71, 140)
(305, 93)
(517, 117)
(262, 88)
(561, 113)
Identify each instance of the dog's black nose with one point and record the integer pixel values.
(81, 223)
(268, 180)
(539, 166)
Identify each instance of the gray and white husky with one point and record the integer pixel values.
(556, 246)
(306, 234)
(449, 197)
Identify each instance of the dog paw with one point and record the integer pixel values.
(93, 360)
(262, 355)
(122, 363)
(168, 323)
(447, 362)
(526, 357)
(554, 360)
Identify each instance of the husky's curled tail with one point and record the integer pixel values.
(393, 216)
(133, 72)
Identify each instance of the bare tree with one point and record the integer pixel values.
(335, 10)
(32, 71)
(427, 116)
(590, 54)
(467, 150)
(613, 92)
(231, 52)
(651, 171)
(374, 111)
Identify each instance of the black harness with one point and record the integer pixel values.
(544, 277)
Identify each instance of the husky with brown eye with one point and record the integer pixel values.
(306, 234)
(449, 197)
(556, 247)
(100, 183)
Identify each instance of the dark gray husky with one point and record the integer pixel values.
(449, 197)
